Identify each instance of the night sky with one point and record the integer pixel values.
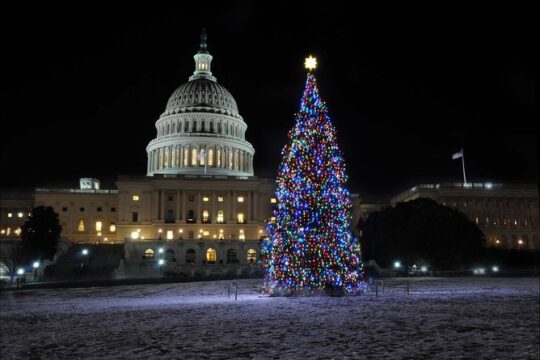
(406, 88)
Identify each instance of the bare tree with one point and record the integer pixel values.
(11, 257)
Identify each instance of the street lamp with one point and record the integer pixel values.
(20, 272)
(161, 263)
(35, 265)
(397, 265)
(84, 252)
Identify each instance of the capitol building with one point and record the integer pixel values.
(200, 208)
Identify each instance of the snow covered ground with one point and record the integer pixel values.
(477, 317)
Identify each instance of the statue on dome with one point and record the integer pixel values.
(203, 41)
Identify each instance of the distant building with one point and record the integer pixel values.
(507, 214)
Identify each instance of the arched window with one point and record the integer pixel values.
(231, 256)
(186, 126)
(191, 216)
(190, 256)
(230, 159)
(194, 157)
(160, 158)
(219, 127)
(210, 157)
(236, 160)
(194, 126)
(168, 129)
(220, 217)
(251, 255)
(211, 256)
(211, 126)
(186, 156)
(81, 225)
(218, 157)
(205, 217)
(166, 158)
(240, 218)
(202, 157)
(149, 254)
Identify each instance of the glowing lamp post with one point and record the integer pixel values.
(84, 253)
(161, 263)
(35, 265)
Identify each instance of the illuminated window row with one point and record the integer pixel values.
(210, 255)
(99, 226)
(200, 156)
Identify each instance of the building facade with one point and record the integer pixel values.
(507, 214)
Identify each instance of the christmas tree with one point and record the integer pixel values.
(309, 245)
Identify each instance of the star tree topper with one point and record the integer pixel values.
(310, 63)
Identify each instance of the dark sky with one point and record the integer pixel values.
(405, 87)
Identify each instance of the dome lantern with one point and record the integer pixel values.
(203, 60)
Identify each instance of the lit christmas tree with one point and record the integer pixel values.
(309, 245)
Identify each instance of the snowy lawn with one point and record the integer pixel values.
(487, 318)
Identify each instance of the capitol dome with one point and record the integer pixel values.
(201, 131)
(202, 93)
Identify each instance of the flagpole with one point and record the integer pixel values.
(463, 164)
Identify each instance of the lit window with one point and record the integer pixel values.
(240, 218)
(18, 232)
(220, 217)
(240, 199)
(149, 254)
(206, 233)
(112, 227)
(98, 225)
(273, 219)
(186, 155)
(9, 215)
(193, 157)
(205, 199)
(135, 198)
(202, 157)
(135, 235)
(81, 225)
(20, 214)
(205, 216)
(170, 234)
(273, 200)
(252, 255)
(220, 199)
(210, 157)
(242, 236)
(211, 255)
